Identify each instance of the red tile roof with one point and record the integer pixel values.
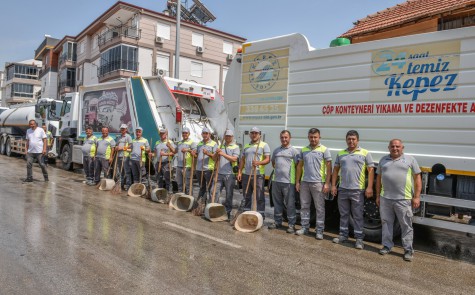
(408, 11)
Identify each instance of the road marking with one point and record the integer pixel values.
(203, 235)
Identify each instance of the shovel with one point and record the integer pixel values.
(159, 195)
(184, 202)
(215, 211)
(251, 221)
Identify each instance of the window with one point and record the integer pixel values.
(22, 72)
(227, 47)
(163, 63)
(197, 39)
(22, 90)
(121, 57)
(67, 78)
(163, 30)
(68, 53)
(196, 69)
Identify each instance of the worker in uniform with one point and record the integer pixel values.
(204, 154)
(313, 182)
(88, 153)
(36, 149)
(138, 151)
(163, 151)
(183, 151)
(284, 160)
(228, 153)
(398, 190)
(351, 164)
(124, 140)
(245, 173)
(49, 142)
(104, 155)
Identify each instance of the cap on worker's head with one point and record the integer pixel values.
(162, 130)
(205, 130)
(139, 128)
(88, 127)
(123, 126)
(185, 129)
(229, 132)
(255, 129)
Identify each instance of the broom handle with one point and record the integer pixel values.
(191, 176)
(115, 166)
(215, 171)
(254, 193)
(184, 172)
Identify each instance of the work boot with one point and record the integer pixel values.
(359, 244)
(229, 216)
(274, 226)
(302, 231)
(291, 229)
(319, 235)
(46, 178)
(385, 250)
(408, 256)
(340, 240)
(28, 180)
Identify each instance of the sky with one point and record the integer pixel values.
(25, 22)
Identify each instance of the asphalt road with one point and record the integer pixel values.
(63, 237)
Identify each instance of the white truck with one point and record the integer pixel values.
(149, 102)
(14, 123)
(418, 88)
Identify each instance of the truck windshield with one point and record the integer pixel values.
(55, 113)
(66, 108)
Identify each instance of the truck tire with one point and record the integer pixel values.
(8, 148)
(66, 158)
(2, 146)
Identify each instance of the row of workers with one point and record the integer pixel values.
(308, 171)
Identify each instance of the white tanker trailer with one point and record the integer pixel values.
(14, 123)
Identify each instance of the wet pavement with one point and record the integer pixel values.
(63, 237)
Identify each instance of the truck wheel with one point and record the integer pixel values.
(8, 148)
(66, 158)
(2, 146)
(372, 227)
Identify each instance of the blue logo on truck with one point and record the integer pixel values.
(264, 71)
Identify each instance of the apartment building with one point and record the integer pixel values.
(48, 74)
(127, 40)
(21, 83)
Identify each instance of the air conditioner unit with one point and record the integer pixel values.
(199, 49)
(161, 72)
(229, 57)
(159, 40)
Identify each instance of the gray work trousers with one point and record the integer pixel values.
(30, 157)
(123, 171)
(163, 176)
(179, 180)
(138, 171)
(261, 201)
(226, 181)
(204, 193)
(351, 201)
(101, 165)
(309, 191)
(88, 167)
(402, 209)
(283, 196)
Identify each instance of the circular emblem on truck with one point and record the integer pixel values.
(264, 71)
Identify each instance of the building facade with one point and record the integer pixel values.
(128, 40)
(21, 83)
(48, 74)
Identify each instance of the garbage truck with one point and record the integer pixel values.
(14, 123)
(149, 102)
(419, 88)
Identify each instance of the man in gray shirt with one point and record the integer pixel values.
(88, 153)
(183, 157)
(163, 151)
(104, 155)
(138, 151)
(313, 181)
(398, 190)
(229, 154)
(352, 163)
(123, 160)
(205, 163)
(284, 160)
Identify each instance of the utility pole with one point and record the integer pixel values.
(177, 44)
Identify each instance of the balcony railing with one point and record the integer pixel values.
(120, 31)
(117, 65)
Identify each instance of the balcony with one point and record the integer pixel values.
(65, 62)
(118, 35)
(117, 69)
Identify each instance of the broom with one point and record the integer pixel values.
(198, 211)
(108, 171)
(117, 189)
(253, 172)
